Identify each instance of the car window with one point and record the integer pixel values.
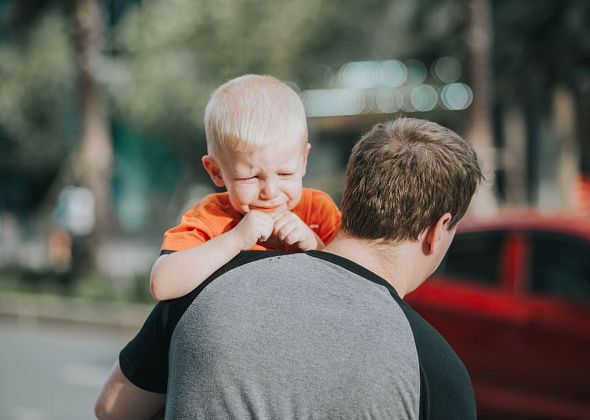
(474, 257)
(559, 265)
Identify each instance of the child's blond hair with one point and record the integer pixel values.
(251, 111)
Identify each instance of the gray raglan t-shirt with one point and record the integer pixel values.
(297, 336)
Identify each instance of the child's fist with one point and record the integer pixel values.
(255, 226)
(289, 228)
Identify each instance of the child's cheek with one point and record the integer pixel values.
(250, 193)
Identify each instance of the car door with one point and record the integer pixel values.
(554, 346)
(471, 301)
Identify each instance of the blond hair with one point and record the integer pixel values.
(251, 111)
(403, 175)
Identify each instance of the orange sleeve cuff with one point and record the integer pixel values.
(189, 233)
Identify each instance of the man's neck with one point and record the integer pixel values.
(395, 263)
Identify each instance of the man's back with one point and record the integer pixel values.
(300, 336)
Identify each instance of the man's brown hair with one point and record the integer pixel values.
(403, 175)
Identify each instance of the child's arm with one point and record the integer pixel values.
(293, 231)
(177, 274)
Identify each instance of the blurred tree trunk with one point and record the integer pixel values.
(568, 165)
(92, 161)
(480, 133)
(514, 157)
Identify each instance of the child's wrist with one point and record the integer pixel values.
(238, 240)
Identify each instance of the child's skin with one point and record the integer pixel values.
(264, 185)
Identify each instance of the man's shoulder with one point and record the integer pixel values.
(178, 306)
(271, 269)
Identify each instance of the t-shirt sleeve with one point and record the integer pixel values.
(191, 231)
(144, 360)
(446, 391)
(327, 215)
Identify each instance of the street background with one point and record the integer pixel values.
(101, 135)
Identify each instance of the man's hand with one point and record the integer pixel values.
(288, 227)
(255, 226)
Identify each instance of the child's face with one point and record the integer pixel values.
(268, 179)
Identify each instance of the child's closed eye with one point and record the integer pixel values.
(249, 178)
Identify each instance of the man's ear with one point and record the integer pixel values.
(431, 237)
(213, 170)
(305, 155)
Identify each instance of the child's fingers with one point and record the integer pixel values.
(266, 229)
(281, 215)
(286, 230)
(256, 226)
(293, 237)
(264, 235)
(258, 215)
(280, 224)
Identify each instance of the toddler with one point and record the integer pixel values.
(257, 149)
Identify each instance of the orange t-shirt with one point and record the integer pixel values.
(214, 215)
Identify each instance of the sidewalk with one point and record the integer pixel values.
(39, 310)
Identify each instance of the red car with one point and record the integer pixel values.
(512, 297)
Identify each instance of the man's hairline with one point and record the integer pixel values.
(395, 242)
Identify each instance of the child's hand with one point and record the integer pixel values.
(293, 231)
(255, 226)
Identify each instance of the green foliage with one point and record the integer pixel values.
(36, 106)
(36, 84)
(166, 56)
(536, 48)
(172, 53)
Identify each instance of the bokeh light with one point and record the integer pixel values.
(406, 100)
(416, 71)
(447, 69)
(456, 96)
(392, 73)
(388, 100)
(423, 97)
(358, 75)
(331, 102)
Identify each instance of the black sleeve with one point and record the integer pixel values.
(445, 387)
(144, 360)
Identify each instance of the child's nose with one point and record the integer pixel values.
(269, 189)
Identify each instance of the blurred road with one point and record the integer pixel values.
(53, 373)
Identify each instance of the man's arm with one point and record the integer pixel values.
(119, 399)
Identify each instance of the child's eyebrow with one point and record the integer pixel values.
(245, 174)
(288, 168)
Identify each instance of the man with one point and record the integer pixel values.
(321, 334)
